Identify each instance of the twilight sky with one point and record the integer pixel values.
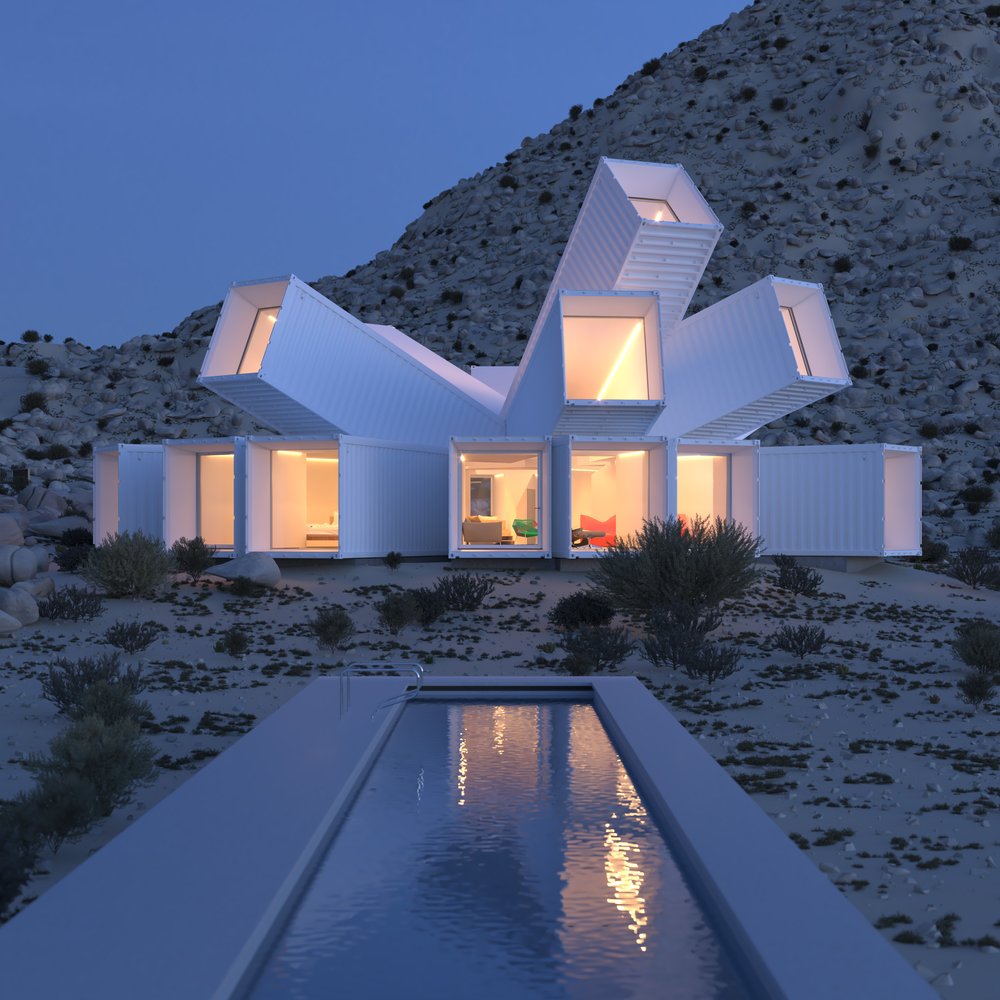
(154, 153)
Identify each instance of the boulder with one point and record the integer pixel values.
(8, 623)
(41, 586)
(18, 604)
(55, 528)
(34, 497)
(254, 566)
(16, 563)
(10, 530)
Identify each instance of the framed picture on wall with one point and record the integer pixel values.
(481, 495)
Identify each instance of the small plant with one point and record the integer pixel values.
(67, 682)
(393, 560)
(59, 808)
(892, 920)
(39, 367)
(75, 544)
(18, 853)
(112, 702)
(796, 579)
(712, 661)
(132, 637)
(956, 244)
(591, 648)
(975, 688)
(993, 535)
(130, 564)
(73, 604)
(671, 641)
(430, 604)
(574, 112)
(973, 566)
(397, 611)
(932, 551)
(779, 103)
(977, 645)
(32, 401)
(649, 67)
(243, 586)
(929, 429)
(585, 607)
(800, 640)
(233, 642)
(975, 496)
(332, 627)
(464, 591)
(842, 265)
(30, 337)
(193, 556)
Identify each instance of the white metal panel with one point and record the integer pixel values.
(268, 405)
(562, 497)
(106, 493)
(497, 377)
(822, 500)
(903, 500)
(392, 498)
(180, 499)
(258, 497)
(229, 339)
(536, 403)
(730, 369)
(140, 489)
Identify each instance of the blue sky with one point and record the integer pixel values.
(152, 154)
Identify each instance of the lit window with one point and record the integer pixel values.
(260, 337)
(605, 357)
(795, 338)
(654, 209)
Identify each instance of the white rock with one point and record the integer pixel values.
(18, 604)
(8, 623)
(254, 566)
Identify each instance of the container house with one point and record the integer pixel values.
(344, 497)
(713, 479)
(128, 490)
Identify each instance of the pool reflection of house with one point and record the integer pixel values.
(624, 407)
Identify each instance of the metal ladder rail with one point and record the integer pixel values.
(360, 669)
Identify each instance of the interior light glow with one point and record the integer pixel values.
(310, 458)
(293, 454)
(461, 458)
(574, 469)
(498, 475)
(227, 457)
(271, 318)
(636, 330)
(631, 454)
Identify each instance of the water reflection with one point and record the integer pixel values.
(526, 867)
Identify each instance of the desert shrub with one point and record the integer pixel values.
(649, 67)
(574, 112)
(934, 552)
(670, 642)
(670, 564)
(747, 93)
(591, 648)
(67, 682)
(797, 579)
(193, 556)
(842, 265)
(974, 566)
(112, 757)
(397, 611)
(74, 546)
(430, 604)
(130, 564)
(332, 627)
(464, 591)
(800, 640)
(111, 702)
(132, 637)
(959, 243)
(234, 642)
(929, 429)
(393, 560)
(975, 496)
(39, 367)
(243, 586)
(18, 853)
(32, 401)
(779, 103)
(585, 607)
(993, 535)
(72, 604)
(30, 336)
(976, 687)
(711, 661)
(977, 644)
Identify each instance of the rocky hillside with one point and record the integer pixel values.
(850, 142)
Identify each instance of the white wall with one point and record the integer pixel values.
(288, 499)
(215, 499)
(703, 486)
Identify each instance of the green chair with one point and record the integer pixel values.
(525, 527)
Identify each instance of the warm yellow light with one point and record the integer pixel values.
(584, 470)
(630, 454)
(498, 475)
(292, 454)
(310, 458)
(461, 458)
(272, 319)
(621, 357)
(226, 457)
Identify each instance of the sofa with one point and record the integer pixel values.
(477, 530)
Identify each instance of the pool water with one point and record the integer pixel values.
(498, 851)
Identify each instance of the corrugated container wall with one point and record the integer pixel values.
(128, 490)
(831, 500)
(392, 498)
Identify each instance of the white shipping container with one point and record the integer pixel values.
(128, 490)
(840, 500)
(715, 479)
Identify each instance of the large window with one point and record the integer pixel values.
(501, 502)
(605, 357)
(610, 496)
(260, 337)
(216, 515)
(795, 339)
(654, 209)
(305, 499)
(704, 486)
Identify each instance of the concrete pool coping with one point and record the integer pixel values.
(182, 902)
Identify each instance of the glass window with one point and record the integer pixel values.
(305, 499)
(610, 496)
(605, 357)
(215, 500)
(260, 337)
(703, 486)
(500, 499)
(654, 209)
(795, 339)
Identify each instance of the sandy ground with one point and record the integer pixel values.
(863, 753)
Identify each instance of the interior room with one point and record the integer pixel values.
(609, 497)
(249, 317)
(501, 499)
(305, 498)
(902, 499)
(216, 514)
(611, 347)
(704, 487)
(809, 326)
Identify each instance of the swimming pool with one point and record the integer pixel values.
(191, 899)
(503, 845)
